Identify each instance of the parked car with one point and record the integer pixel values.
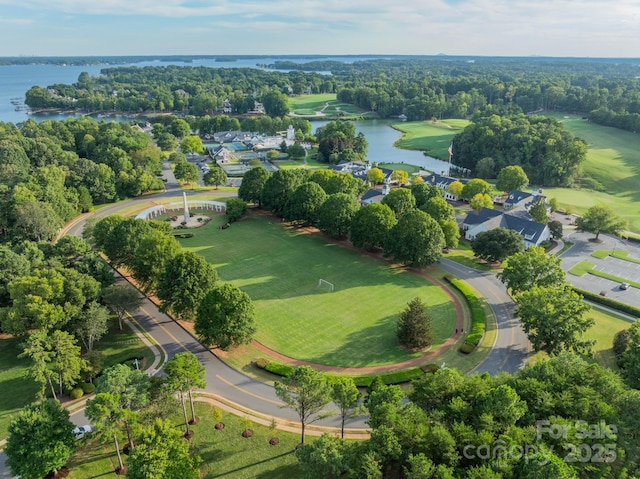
(80, 431)
(624, 285)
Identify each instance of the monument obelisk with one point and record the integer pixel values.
(186, 208)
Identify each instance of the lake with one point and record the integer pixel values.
(15, 80)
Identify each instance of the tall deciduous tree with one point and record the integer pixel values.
(226, 317)
(191, 144)
(601, 219)
(162, 453)
(336, 213)
(40, 440)
(186, 172)
(476, 186)
(279, 187)
(423, 192)
(416, 240)
(92, 324)
(371, 225)
(401, 176)
(304, 204)
(306, 391)
(236, 209)
(511, 178)
(400, 200)
(439, 209)
(215, 176)
(497, 244)
(122, 299)
(345, 395)
(480, 201)
(104, 412)
(539, 212)
(554, 319)
(150, 258)
(414, 326)
(185, 372)
(531, 267)
(375, 176)
(66, 361)
(252, 185)
(182, 286)
(37, 348)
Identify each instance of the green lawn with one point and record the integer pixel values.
(411, 169)
(17, 390)
(225, 453)
(613, 159)
(607, 325)
(432, 138)
(279, 268)
(309, 104)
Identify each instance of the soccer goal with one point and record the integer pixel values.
(323, 283)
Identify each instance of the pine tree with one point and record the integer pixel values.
(414, 326)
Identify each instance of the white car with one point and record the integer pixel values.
(80, 431)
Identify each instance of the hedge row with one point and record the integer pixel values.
(398, 377)
(477, 314)
(611, 303)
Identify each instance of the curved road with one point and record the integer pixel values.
(245, 393)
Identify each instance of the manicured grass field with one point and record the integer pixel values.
(279, 267)
(613, 159)
(607, 325)
(309, 104)
(400, 166)
(433, 138)
(225, 453)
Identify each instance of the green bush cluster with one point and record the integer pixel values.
(397, 377)
(262, 363)
(611, 303)
(76, 393)
(477, 314)
(87, 388)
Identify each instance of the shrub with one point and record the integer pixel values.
(262, 363)
(87, 388)
(430, 368)
(467, 348)
(477, 312)
(621, 342)
(76, 393)
(612, 303)
(279, 369)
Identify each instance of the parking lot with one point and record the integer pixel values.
(628, 271)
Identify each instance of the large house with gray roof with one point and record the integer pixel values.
(443, 182)
(517, 220)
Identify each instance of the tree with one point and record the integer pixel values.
(324, 458)
(439, 209)
(162, 453)
(279, 187)
(296, 151)
(66, 361)
(105, 414)
(252, 185)
(485, 168)
(553, 319)
(480, 201)
(455, 188)
(511, 178)
(236, 209)
(123, 239)
(497, 244)
(40, 440)
(601, 219)
(150, 257)
(122, 299)
(215, 176)
(336, 213)
(345, 395)
(400, 200)
(344, 183)
(423, 192)
(375, 176)
(630, 358)
(186, 172)
(400, 176)
(273, 155)
(371, 225)
(414, 326)
(555, 228)
(12, 265)
(474, 187)
(184, 283)
(531, 267)
(304, 203)
(179, 128)
(306, 391)
(37, 348)
(184, 373)
(451, 232)
(36, 221)
(226, 317)
(539, 212)
(92, 324)
(191, 144)
(416, 240)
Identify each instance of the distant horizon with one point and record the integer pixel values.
(309, 55)
(475, 28)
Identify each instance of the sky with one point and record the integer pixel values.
(576, 28)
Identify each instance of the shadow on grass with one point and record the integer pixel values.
(270, 474)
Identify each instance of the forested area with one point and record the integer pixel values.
(53, 170)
